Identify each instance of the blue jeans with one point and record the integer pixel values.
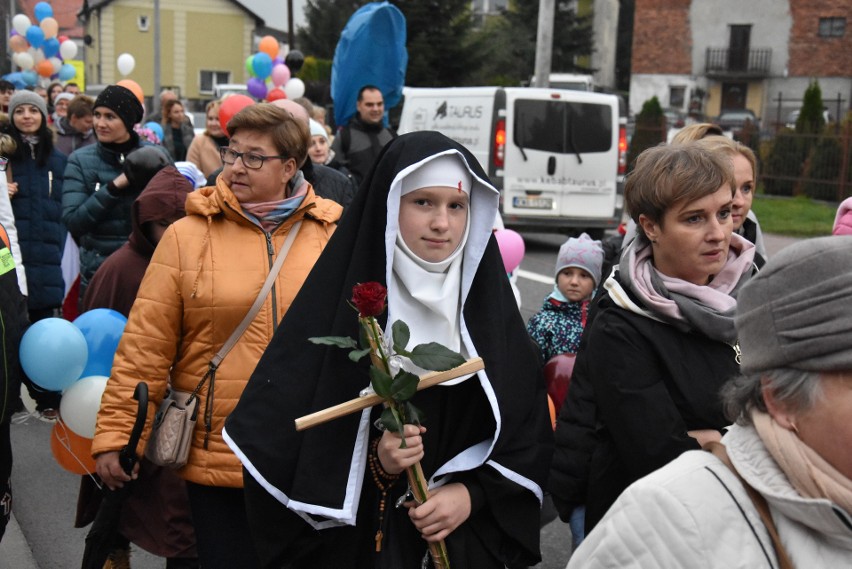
(577, 521)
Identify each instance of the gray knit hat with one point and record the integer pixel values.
(24, 97)
(583, 252)
(796, 312)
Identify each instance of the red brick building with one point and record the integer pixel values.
(706, 56)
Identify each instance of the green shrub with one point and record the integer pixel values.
(650, 130)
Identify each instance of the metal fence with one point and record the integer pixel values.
(817, 166)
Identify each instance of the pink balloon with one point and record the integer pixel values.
(280, 74)
(511, 248)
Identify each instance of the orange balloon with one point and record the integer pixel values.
(269, 46)
(44, 68)
(50, 27)
(134, 87)
(552, 412)
(71, 451)
(18, 44)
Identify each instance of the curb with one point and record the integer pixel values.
(15, 552)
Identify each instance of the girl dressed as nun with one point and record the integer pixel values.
(334, 496)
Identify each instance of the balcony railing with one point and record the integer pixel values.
(726, 62)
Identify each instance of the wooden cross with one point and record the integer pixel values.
(359, 403)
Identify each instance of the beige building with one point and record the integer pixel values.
(202, 43)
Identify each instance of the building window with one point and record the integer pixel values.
(210, 79)
(832, 27)
(143, 23)
(677, 96)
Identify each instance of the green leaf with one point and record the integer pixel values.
(404, 386)
(337, 341)
(413, 415)
(356, 355)
(381, 382)
(436, 357)
(401, 335)
(362, 338)
(390, 419)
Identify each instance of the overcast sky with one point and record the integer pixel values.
(275, 12)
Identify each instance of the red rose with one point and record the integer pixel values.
(369, 298)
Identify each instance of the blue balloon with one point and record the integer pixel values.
(53, 353)
(42, 10)
(30, 77)
(102, 328)
(50, 47)
(262, 65)
(35, 36)
(156, 128)
(67, 72)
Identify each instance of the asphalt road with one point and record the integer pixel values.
(45, 495)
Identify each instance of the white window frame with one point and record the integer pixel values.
(215, 79)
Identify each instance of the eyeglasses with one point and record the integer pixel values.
(3, 163)
(250, 159)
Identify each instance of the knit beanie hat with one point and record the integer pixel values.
(317, 129)
(63, 97)
(123, 103)
(795, 312)
(582, 252)
(24, 97)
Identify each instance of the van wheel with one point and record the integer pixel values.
(596, 234)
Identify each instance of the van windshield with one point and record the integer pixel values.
(562, 127)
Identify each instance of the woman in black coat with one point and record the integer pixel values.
(661, 341)
(36, 194)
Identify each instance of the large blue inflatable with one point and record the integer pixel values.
(371, 51)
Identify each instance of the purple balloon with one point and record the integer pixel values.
(256, 88)
(13, 33)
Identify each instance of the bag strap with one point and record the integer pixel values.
(261, 297)
(720, 452)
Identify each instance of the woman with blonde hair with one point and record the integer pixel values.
(204, 150)
(745, 173)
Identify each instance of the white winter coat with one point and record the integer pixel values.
(695, 513)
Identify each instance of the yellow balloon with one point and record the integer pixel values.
(50, 27)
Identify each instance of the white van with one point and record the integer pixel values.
(555, 155)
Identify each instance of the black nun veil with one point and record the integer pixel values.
(491, 432)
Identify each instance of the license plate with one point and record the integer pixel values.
(533, 203)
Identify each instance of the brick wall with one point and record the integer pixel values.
(661, 38)
(812, 55)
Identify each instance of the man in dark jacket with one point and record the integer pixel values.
(358, 143)
(74, 130)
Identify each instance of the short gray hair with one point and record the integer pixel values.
(795, 388)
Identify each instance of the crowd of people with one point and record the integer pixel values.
(707, 407)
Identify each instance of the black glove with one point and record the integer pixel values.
(141, 165)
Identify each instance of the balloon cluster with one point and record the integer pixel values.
(75, 358)
(37, 50)
(270, 76)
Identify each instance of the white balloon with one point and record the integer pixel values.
(38, 54)
(56, 63)
(125, 64)
(25, 60)
(80, 404)
(21, 24)
(68, 49)
(294, 88)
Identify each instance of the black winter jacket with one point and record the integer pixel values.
(13, 317)
(638, 386)
(41, 235)
(358, 145)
